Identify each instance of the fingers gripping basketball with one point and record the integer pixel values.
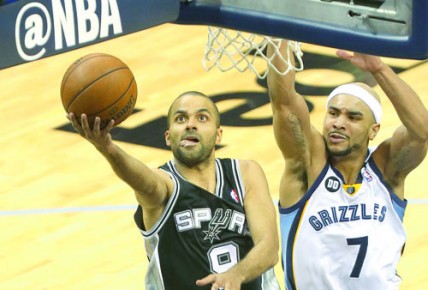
(100, 85)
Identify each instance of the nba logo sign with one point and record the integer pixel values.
(234, 195)
(366, 174)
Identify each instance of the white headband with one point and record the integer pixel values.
(360, 93)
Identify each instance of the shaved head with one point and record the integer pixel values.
(214, 108)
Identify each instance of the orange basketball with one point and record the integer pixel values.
(100, 85)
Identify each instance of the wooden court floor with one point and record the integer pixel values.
(66, 221)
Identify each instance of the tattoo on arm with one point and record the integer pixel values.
(401, 159)
(297, 132)
(298, 167)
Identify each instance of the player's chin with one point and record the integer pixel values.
(338, 152)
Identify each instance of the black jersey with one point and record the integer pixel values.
(200, 233)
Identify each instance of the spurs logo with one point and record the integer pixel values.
(217, 224)
(201, 218)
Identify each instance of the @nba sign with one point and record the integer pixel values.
(65, 23)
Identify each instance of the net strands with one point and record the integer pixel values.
(231, 49)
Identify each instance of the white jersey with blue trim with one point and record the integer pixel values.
(335, 240)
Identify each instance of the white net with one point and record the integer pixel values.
(229, 49)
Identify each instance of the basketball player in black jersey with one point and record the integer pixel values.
(208, 223)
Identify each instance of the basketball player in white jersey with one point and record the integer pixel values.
(341, 201)
(208, 223)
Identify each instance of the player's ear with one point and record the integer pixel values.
(219, 136)
(374, 129)
(167, 141)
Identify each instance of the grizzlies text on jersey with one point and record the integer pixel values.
(356, 238)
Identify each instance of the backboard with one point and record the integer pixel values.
(392, 28)
(31, 30)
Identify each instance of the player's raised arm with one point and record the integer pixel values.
(301, 145)
(151, 186)
(290, 112)
(407, 148)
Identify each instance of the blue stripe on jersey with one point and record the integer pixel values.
(304, 199)
(359, 179)
(399, 205)
(286, 221)
(289, 222)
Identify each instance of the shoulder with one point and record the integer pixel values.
(167, 178)
(244, 165)
(380, 154)
(250, 170)
(247, 164)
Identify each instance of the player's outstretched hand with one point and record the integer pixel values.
(99, 138)
(224, 281)
(370, 63)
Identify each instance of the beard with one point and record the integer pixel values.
(343, 152)
(194, 156)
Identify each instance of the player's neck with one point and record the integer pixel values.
(348, 166)
(202, 175)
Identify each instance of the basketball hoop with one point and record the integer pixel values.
(228, 49)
